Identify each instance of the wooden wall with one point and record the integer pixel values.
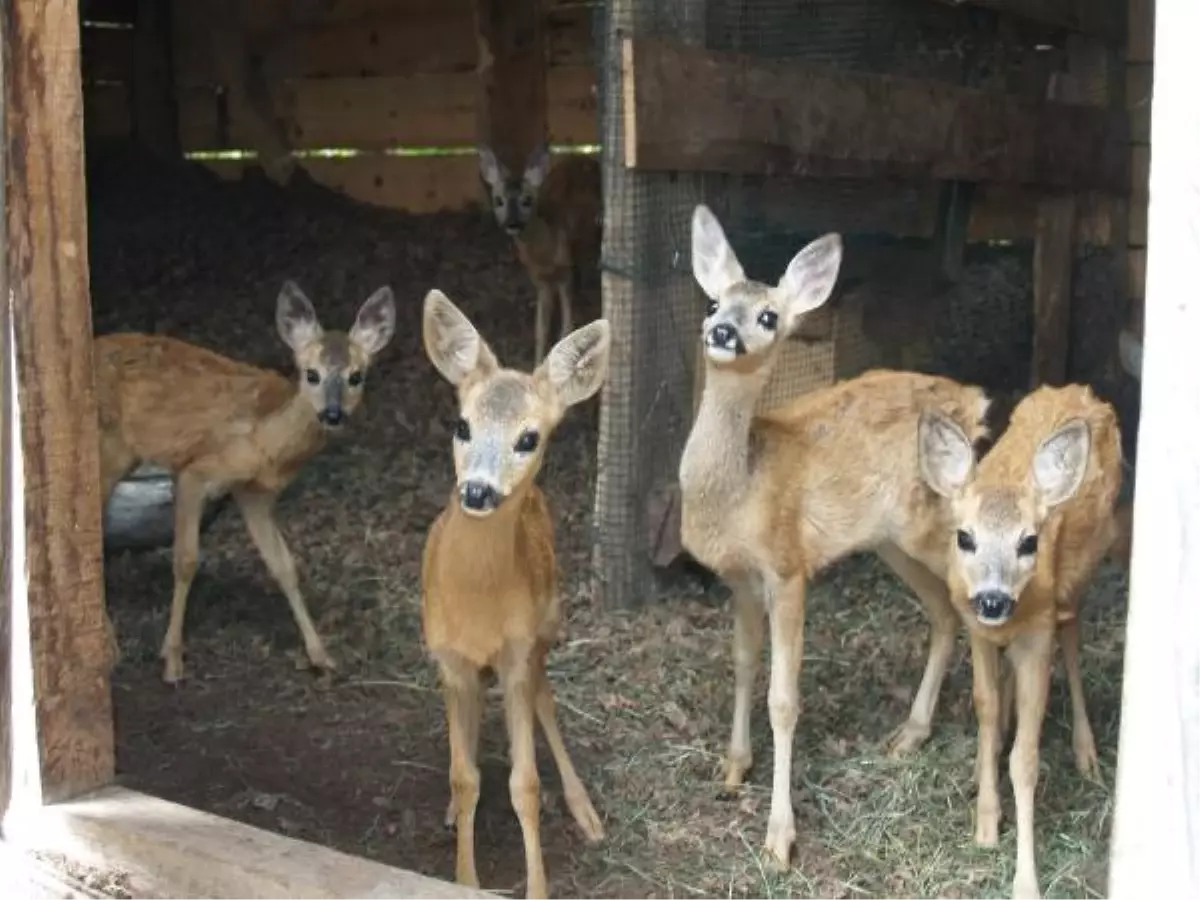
(364, 75)
(1139, 83)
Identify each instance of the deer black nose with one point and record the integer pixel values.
(332, 415)
(726, 337)
(479, 496)
(993, 605)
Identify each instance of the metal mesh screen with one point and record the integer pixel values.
(892, 307)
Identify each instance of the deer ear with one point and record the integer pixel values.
(578, 364)
(451, 341)
(295, 318)
(376, 322)
(714, 264)
(491, 169)
(1061, 462)
(945, 455)
(810, 278)
(537, 167)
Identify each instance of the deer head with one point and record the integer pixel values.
(514, 199)
(506, 416)
(333, 364)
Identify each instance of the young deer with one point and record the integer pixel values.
(553, 215)
(768, 501)
(221, 425)
(1033, 520)
(489, 576)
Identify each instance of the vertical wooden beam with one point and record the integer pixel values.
(6, 604)
(155, 118)
(512, 78)
(51, 314)
(1156, 828)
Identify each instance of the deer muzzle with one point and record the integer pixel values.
(993, 607)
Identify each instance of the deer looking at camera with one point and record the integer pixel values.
(489, 575)
(221, 425)
(553, 215)
(1032, 519)
(768, 501)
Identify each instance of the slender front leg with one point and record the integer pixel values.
(523, 784)
(783, 700)
(985, 664)
(575, 793)
(943, 629)
(545, 299)
(258, 511)
(566, 299)
(189, 506)
(463, 693)
(1087, 761)
(749, 613)
(1032, 656)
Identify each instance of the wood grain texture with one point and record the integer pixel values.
(48, 279)
(704, 110)
(512, 78)
(6, 486)
(1156, 828)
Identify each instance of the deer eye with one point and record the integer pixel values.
(499, 202)
(312, 376)
(768, 319)
(1028, 545)
(527, 442)
(526, 202)
(966, 541)
(354, 379)
(713, 305)
(462, 430)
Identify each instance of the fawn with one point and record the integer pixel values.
(553, 215)
(770, 500)
(221, 425)
(489, 575)
(1033, 519)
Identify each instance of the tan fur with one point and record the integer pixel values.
(769, 501)
(560, 237)
(489, 580)
(220, 425)
(998, 502)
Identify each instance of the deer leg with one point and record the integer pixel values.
(116, 461)
(783, 700)
(258, 512)
(524, 787)
(1032, 657)
(189, 506)
(573, 790)
(464, 706)
(1007, 696)
(985, 664)
(943, 629)
(545, 299)
(748, 615)
(566, 300)
(1083, 741)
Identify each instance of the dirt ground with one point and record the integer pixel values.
(359, 762)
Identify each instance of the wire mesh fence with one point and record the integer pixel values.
(893, 307)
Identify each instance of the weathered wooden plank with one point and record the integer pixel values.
(695, 109)
(48, 282)
(1137, 272)
(1156, 841)
(1140, 32)
(1139, 85)
(6, 484)
(418, 184)
(512, 110)
(1139, 181)
(1097, 18)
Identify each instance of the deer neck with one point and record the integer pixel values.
(291, 435)
(485, 548)
(714, 473)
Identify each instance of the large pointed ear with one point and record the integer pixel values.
(714, 264)
(376, 321)
(809, 279)
(537, 166)
(1061, 462)
(451, 341)
(944, 451)
(295, 318)
(578, 364)
(491, 169)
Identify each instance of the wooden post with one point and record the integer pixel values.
(155, 120)
(1156, 829)
(52, 329)
(512, 78)
(6, 606)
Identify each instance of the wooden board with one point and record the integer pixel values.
(48, 282)
(422, 184)
(1137, 272)
(1140, 33)
(1139, 86)
(374, 113)
(703, 110)
(1094, 17)
(6, 485)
